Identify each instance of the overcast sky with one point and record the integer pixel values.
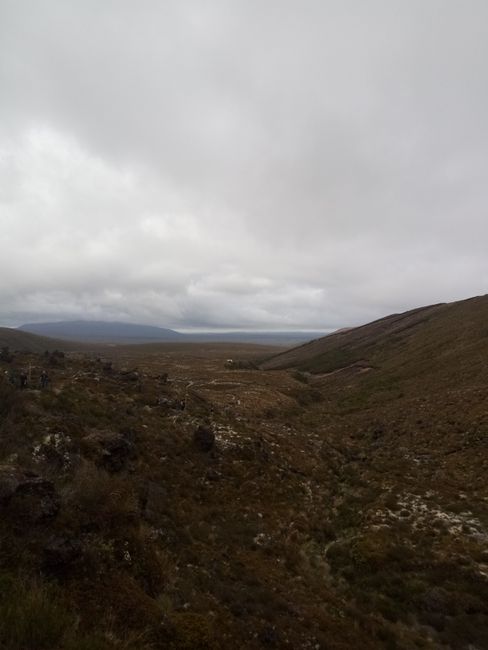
(241, 163)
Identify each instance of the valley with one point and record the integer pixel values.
(198, 496)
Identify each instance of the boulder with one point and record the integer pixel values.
(109, 449)
(153, 502)
(9, 482)
(130, 375)
(59, 554)
(27, 496)
(58, 451)
(269, 636)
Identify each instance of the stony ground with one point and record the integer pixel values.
(178, 497)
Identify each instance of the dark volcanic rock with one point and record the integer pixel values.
(60, 553)
(25, 495)
(58, 451)
(204, 438)
(109, 449)
(9, 482)
(153, 502)
(269, 636)
(130, 375)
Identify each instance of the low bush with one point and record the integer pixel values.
(31, 615)
(100, 500)
(34, 615)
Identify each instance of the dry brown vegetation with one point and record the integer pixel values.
(329, 511)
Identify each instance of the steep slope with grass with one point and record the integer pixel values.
(404, 420)
(444, 339)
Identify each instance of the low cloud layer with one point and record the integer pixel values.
(241, 164)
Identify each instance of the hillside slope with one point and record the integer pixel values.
(27, 342)
(445, 339)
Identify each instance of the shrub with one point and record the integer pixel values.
(31, 615)
(10, 400)
(102, 500)
(193, 632)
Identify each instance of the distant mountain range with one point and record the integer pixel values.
(128, 333)
(102, 332)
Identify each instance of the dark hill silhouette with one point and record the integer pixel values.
(103, 332)
(18, 340)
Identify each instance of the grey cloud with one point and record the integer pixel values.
(304, 164)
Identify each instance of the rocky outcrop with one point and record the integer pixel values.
(153, 500)
(130, 375)
(59, 554)
(27, 496)
(58, 451)
(110, 450)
